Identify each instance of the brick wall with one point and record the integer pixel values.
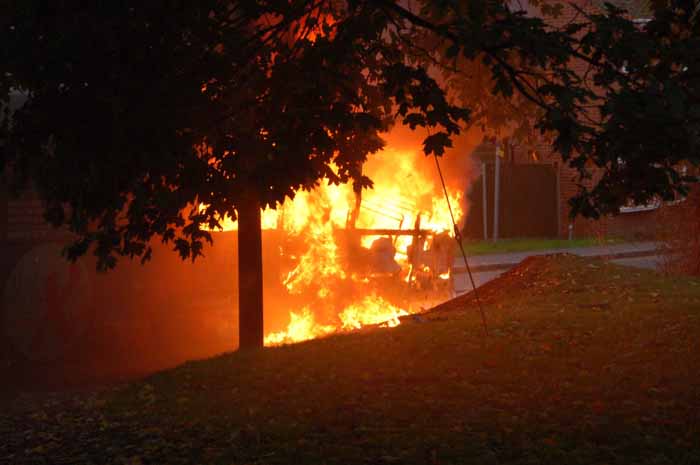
(630, 225)
(634, 225)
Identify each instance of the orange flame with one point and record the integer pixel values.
(302, 327)
(403, 197)
(372, 310)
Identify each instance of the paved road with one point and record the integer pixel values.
(462, 284)
(487, 267)
(480, 262)
(651, 262)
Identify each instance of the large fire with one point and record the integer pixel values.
(370, 272)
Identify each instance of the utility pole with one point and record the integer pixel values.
(496, 190)
(485, 201)
(4, 198)
(558, 194)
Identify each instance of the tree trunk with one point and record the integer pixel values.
(250, 284)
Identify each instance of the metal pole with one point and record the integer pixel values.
(458, 238)
(558, 181)
(496, 189)
(485, 201)
(4, 210)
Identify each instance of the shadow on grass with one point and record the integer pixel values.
(586, 363)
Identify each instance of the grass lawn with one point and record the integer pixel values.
(530, 244)
(585, 363)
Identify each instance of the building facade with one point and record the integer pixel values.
(632, 222)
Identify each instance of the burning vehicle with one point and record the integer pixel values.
(351, 259)
(334, 260)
